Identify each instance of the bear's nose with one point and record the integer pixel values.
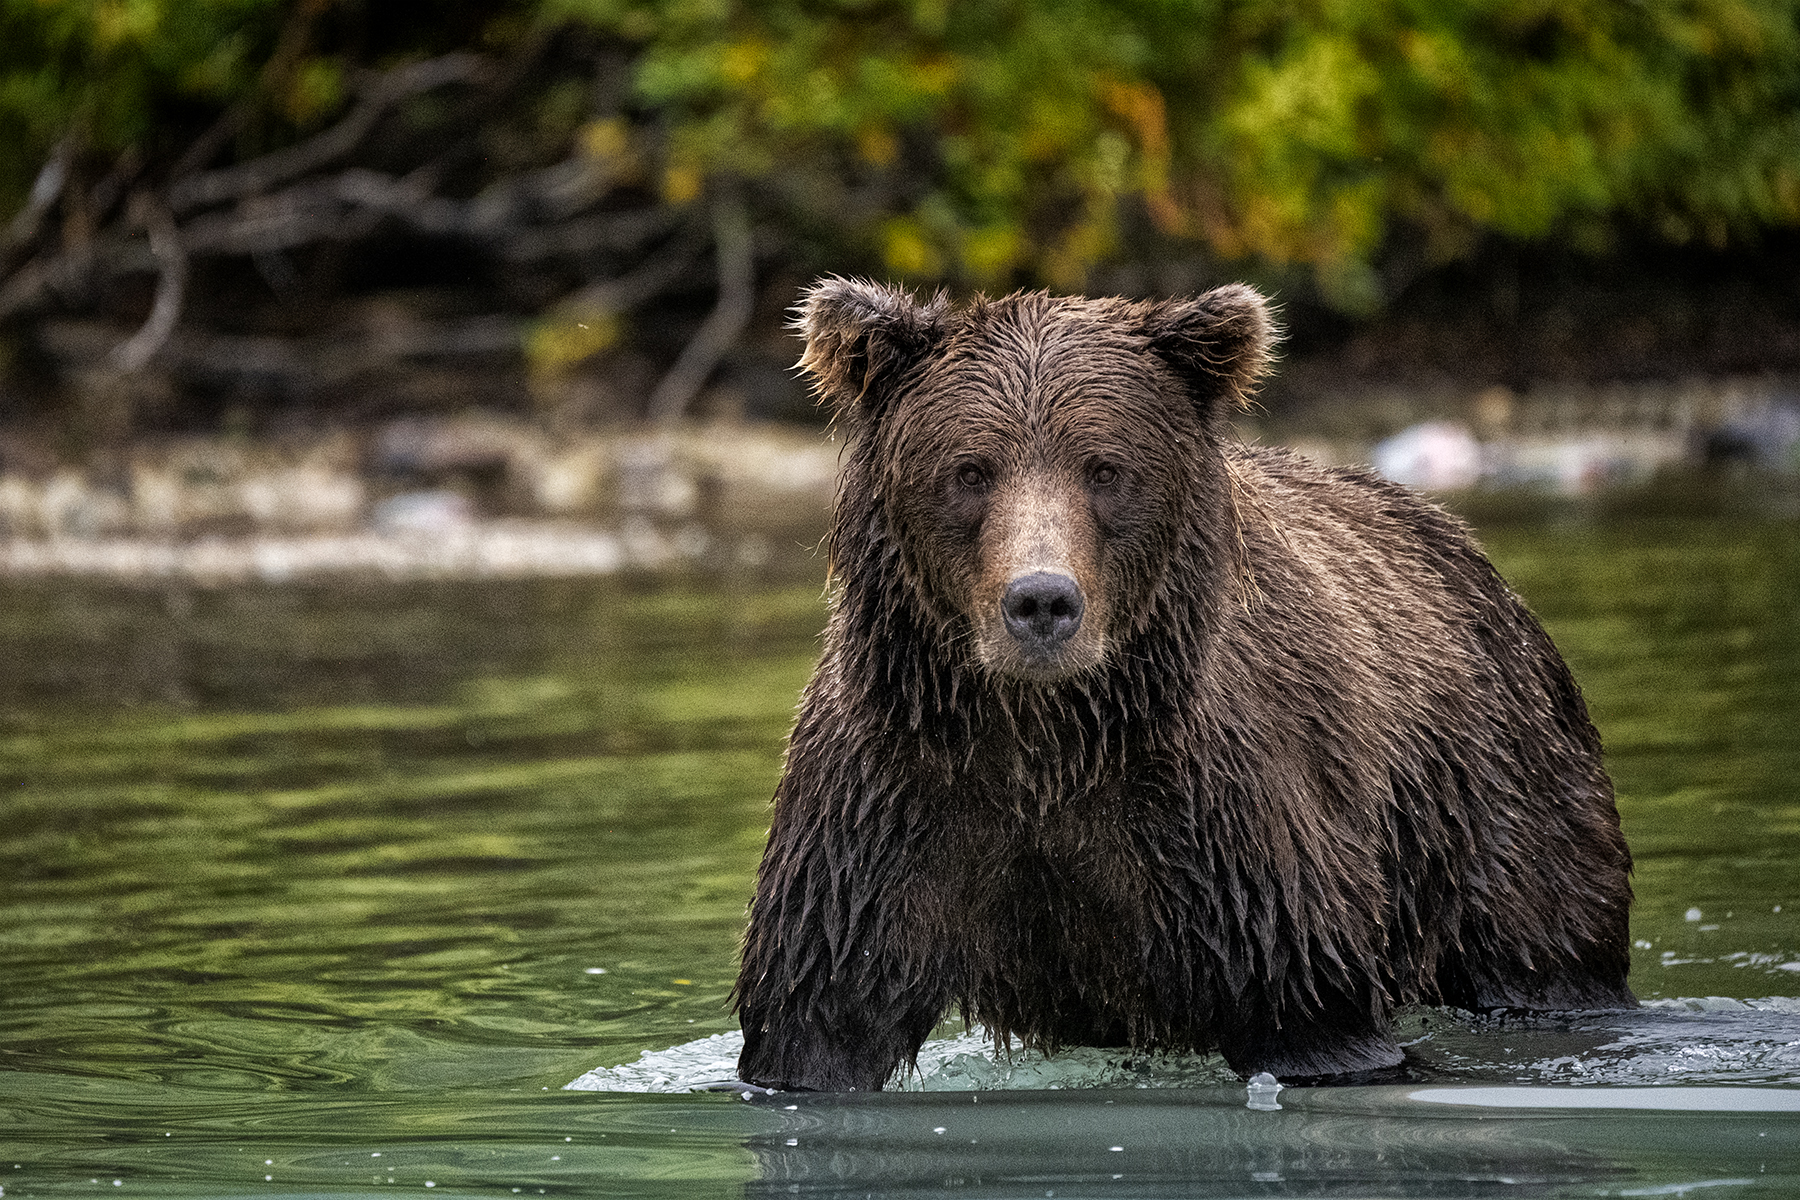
(1042, 609)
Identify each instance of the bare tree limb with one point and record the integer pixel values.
(382, 93)
(588, 208)
(52, 177)
(300, 217)
(171, 289)
(348, 207)
(69, 273)
(326, 360)
(626, 292)
(620, 231)
(725, 324)
(497, 217)
(115, 183)
(309, 362)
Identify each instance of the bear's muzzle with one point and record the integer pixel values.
(1042, 610)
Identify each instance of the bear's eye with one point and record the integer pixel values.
(1103, 475)
(972, 476)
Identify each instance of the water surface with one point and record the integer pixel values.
(330, 891)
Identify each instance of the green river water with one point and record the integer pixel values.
(332, 890)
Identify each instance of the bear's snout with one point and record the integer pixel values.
(1042, 610)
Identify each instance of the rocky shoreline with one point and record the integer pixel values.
(500, 549)
(487, 496)
(469, 498)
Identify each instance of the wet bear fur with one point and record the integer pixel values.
(1304, 759)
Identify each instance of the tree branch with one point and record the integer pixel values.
(171, 288)
(587, 210)
(724, 325)
(348, 207)
(621, 231)
(382, 93)
(45, 190)
(625, 292)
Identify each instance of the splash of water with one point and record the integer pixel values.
(1709, 1040)
(962, 1063)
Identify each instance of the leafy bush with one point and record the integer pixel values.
(995, 139)
(105, 76)
(999, 141)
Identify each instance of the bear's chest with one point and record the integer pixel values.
(1063, 878)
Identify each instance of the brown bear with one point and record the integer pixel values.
(1126, 733)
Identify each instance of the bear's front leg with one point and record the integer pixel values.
(1340, 1037)
(815, 1020)
(840, 982)
(791, 1051)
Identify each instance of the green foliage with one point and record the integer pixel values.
(102, 74)
(136, 82)
(973, 140)
(1515, 116)
(1011, 134)
(993, 141)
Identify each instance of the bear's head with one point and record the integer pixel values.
(1036, 459)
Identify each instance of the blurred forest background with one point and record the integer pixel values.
(265, 216)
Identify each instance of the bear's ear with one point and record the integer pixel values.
(860, 336)
(1221, 343)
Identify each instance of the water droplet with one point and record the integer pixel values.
(1262, 1090)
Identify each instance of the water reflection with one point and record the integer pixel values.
(294, 878)
(1337, 1142)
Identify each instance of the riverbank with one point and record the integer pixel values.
(488, 496)
(479, 496)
